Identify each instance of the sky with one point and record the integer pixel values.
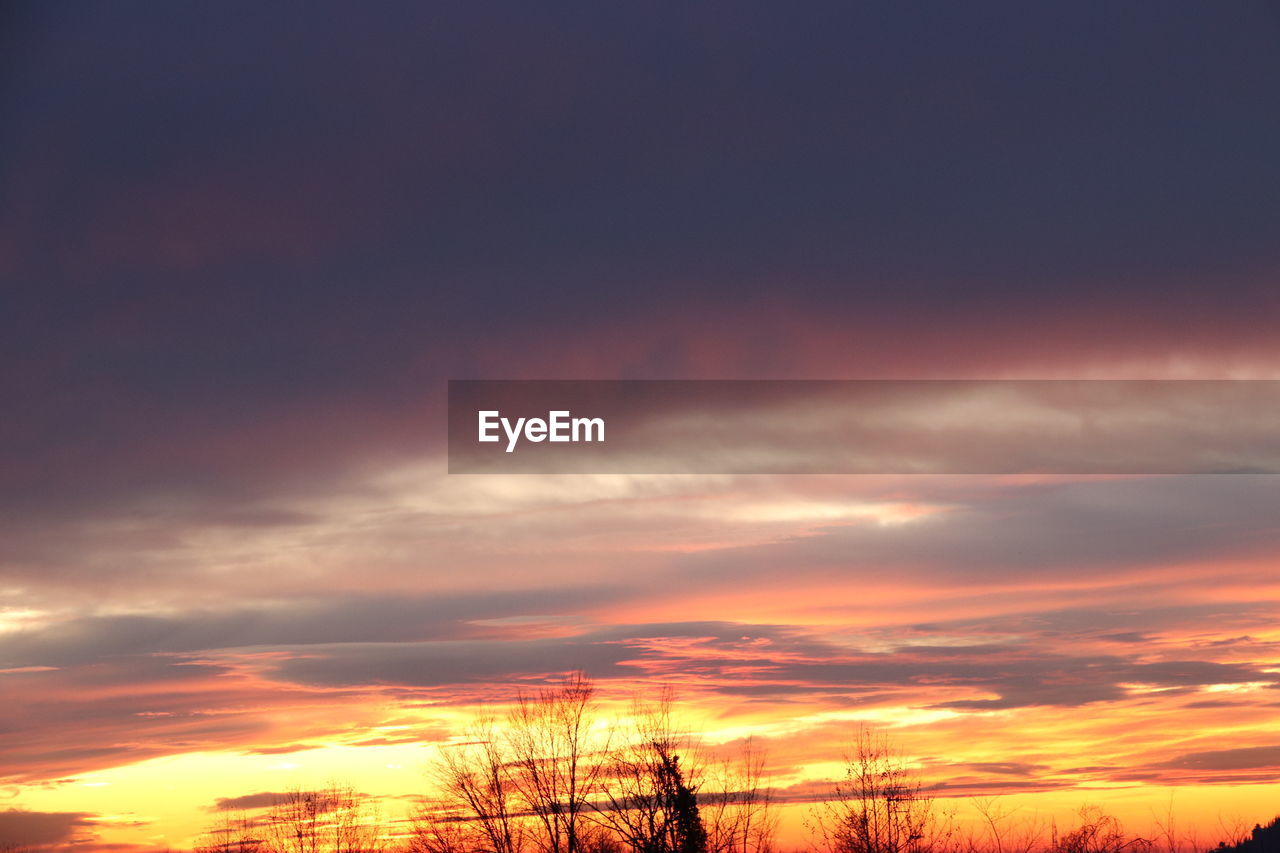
(244, 246)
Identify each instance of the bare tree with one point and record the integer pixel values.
(233, 833)
(438, 832)
(477, 810)
(1167, 836)
(525, 781)
(599, 839)
(357, 825)
(648, 790)
(556, 755)
(1097, 832)
(999, 833)
(334, 820)
(1234, 828)
(880, 806)
(740, 814)
(295, 821)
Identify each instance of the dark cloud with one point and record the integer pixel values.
(42, 829)
(261, 800)
(1099, 622)
(787, 129)
(1006, 768)
(1241, 758)
(244, 244)
(443, 664)
(973, 788)
(173, 703)
(731, 659)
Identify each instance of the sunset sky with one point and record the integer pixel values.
(243, 247)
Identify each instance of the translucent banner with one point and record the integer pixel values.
(864, 426)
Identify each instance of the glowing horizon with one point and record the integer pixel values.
(790, 626)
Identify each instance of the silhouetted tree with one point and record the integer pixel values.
(879, 806)
(646, 796)
(478, 810)
(739, 814)
(1262, 839)
(690, 835)
(999, 833)
(526, 780)
(335, 819)
(1098, 832)
(233, 833)
(435, 832)
(554, 749)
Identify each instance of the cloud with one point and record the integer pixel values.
(1026, 532)
(128, 709)
(197, 315)
(1241, 758)
(767, 662)
(303, 621)
(42, 829)
(449, 663)
(260, 800)
(196, 690)
(1006, 768)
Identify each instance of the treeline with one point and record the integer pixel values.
(1262, 839)
(549, 776)
(552, 776)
